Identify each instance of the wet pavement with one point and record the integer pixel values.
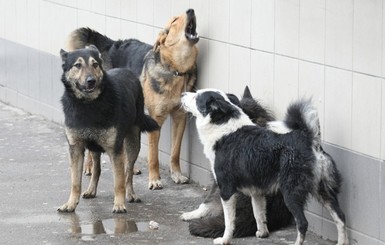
(35, 181)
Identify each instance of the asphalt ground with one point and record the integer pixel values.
(35, 181)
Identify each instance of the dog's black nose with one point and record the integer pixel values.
(190, 12)
(90, 82)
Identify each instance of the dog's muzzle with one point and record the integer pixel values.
(190, 31)
(90, 84)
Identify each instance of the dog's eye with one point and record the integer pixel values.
(174, 20)
(78, 65)
(95, 65)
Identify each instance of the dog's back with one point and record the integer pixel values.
(128, 53)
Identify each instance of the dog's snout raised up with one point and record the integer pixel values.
(190, 12)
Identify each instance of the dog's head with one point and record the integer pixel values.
(82, 72)
(179, 30)
(259, 114)
(212, 105)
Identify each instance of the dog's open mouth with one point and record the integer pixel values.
(87, 88)
(191, 26)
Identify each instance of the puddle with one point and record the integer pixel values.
(116, 226)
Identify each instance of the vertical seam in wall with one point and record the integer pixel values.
(274, 51)
(228, 49)
(352, 83)
(250, 44)
(381, 114)
(299, 44)
(324, 62)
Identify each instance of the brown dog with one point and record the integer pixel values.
(165, 70)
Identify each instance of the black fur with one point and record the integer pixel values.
(278, 216)
(260, 161)
(127, 53)
(120, 104)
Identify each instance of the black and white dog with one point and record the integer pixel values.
(208, 220)
(257, 161)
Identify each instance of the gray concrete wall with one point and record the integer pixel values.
(332, 50)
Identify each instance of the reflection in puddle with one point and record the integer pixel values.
(116, 226)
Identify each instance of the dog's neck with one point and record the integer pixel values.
(180, 62)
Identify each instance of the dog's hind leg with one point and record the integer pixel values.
(259, 210)
(339, 219)
(96, 170)
(179, 124)
(132, 144)
(229, 214)
(295, 202)
(88, 164)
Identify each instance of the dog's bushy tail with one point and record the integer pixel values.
(302, 115)
(82, 37)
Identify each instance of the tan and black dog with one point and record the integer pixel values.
(165, 69)
(103, 112)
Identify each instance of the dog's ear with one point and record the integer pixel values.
(247, 93)
(161, 39)
(233, 99)
(63, 55)
(219, 105)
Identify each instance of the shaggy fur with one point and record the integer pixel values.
(165, 69)
(208, 220)
(104, 112)
(257, 161)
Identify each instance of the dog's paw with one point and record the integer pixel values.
(178, 178)
(66, 208)
(137, 171)
(155, 184)
(221, 240)
(89, 194)
(87, 173)
(186, 216)
(119, 208)
(133, 198)
(262, 234)
(195, 214)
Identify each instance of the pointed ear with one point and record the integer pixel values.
(63, 55)
(247, 93)
(161, 39)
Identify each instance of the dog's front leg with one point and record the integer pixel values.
(154, 182)
(96, 170)
(76, 152)
(259, 210)
(117, 160)
(178, 126)
(229, 213)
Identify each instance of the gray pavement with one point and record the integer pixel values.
(35, 181)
